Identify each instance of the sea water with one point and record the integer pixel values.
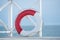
(48, 31)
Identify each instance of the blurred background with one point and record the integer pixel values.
(50, 11)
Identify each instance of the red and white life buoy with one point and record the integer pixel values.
(18, 20)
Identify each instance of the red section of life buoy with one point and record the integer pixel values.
(19, 18)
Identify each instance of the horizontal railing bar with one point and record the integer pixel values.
(4, 31)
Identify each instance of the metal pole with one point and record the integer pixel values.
(41, 23)
(10, 18)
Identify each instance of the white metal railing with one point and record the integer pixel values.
(11, 3)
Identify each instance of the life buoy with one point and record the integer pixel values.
(18, 21)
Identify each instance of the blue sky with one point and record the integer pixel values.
(51, 10)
